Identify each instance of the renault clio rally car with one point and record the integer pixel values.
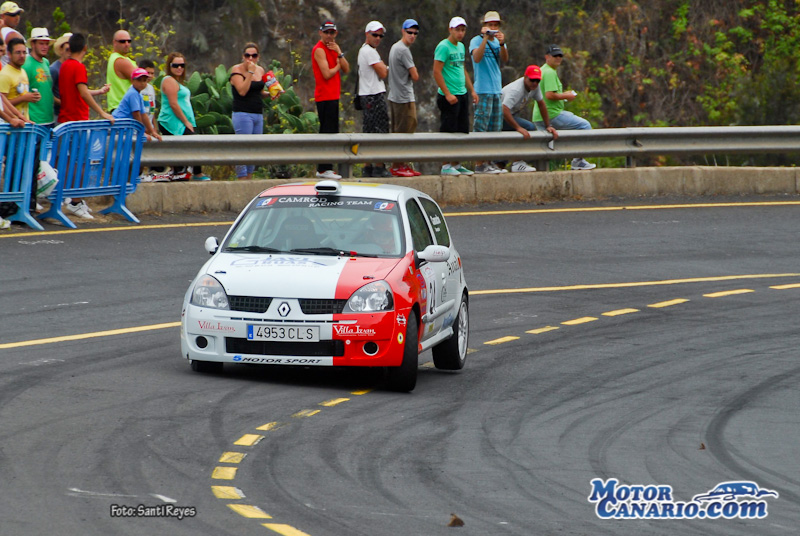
(331, 274)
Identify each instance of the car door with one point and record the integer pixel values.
(451, 274)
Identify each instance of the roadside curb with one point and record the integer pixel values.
(216, 196)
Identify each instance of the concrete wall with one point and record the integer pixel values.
(215, 196)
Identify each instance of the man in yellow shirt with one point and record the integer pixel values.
(119, 70)
(14, 80)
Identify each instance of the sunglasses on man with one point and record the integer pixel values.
(254, 56)
(379, 36)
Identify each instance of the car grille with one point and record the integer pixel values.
(235, 345)
(249, 304)
(322, 307)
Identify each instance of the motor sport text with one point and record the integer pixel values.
(615, 501)
(161, 510)
(280, 360)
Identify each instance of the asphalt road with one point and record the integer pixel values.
(688, 380)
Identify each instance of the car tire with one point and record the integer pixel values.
(206, 366)
(452, 353)
(404, 377)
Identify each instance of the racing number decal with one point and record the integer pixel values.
(430, 283)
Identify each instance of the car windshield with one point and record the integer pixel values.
(320, 225)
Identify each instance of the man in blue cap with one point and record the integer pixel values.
(402, 75)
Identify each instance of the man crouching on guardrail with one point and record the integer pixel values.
(555, 98)
(73, 84)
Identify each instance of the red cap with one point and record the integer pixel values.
(533, 72)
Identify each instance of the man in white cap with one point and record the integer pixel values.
(10, 14)
(450, 73)
(37, 68)
(328, 63)
(372, 91)
(488, 52)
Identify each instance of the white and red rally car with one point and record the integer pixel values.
(331, 274)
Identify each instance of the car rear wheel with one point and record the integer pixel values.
(452, 353)
(206, 366)
(404, 377)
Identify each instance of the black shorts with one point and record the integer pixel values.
(455, 117)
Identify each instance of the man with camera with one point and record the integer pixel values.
(488, 51)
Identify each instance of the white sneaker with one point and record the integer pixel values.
(464, 171)
(581, 164)
(146, 177)
(328, 174)
(520, 166)
(487, 168)
(448, 169)
(39, 207)
(4, 224)
(498, 168)
(81, 210)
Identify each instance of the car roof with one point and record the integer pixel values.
(390, 192)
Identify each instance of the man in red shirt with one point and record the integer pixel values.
(327, 62)
(76, 99)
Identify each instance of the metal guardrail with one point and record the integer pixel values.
(349, 149)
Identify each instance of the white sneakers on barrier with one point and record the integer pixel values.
(81, 210)
(579, 164)
(328, 174)
(520, 166)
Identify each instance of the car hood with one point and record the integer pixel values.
(296, 276)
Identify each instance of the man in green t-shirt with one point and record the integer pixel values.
(37, 67)
(451, 76)
(554, 98)
(119, 70)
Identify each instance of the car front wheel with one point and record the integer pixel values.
(452, 353)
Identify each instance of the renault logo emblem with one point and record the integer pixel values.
(284, 309)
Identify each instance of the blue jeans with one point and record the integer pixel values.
(524, 123)
(245, 123)
(566, 121)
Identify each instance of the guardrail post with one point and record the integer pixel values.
(345, 170)
(630, 162)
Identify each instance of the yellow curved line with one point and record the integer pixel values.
(81, 336)
(614, 209)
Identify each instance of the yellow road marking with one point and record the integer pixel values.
(247, 510)
(224, 473)
(616, 209)
(82, 336)
(270, 426)
(232, 457)
(542, 330)
(306, 413)
(669, 303)
(333, 402)
(113, 229)
(728, 293)
(501, 340)
(629, 285)
(248, 440)
(784, 287)
(582, 320)
(362, 392)
(284, 530)
(227, 492)
(619, 312)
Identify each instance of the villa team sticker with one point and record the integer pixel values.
(727, 500)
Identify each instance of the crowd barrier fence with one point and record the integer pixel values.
(95, 158)
(20, 150)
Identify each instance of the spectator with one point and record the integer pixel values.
(149, 93)
(516, 97)
(62, 51)
(132, 105)
(248, 100)
(176, 117)
(328, 62)
(488, 51)
(14, 80)
(119, 69)
(10, 14)
(555, 96)
(372, 91)
(76, 99)
(402, 75)
(37, 67)
(449, 71)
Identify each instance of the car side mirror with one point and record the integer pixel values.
(434, 254)
(212, 245)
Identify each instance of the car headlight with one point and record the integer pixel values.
(372, 297)
(208, 292)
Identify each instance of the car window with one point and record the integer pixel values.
(437, 221)
(420, 234)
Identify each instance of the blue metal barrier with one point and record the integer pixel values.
(95, 158)
(20, 162)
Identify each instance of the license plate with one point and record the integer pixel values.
(283, 333)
